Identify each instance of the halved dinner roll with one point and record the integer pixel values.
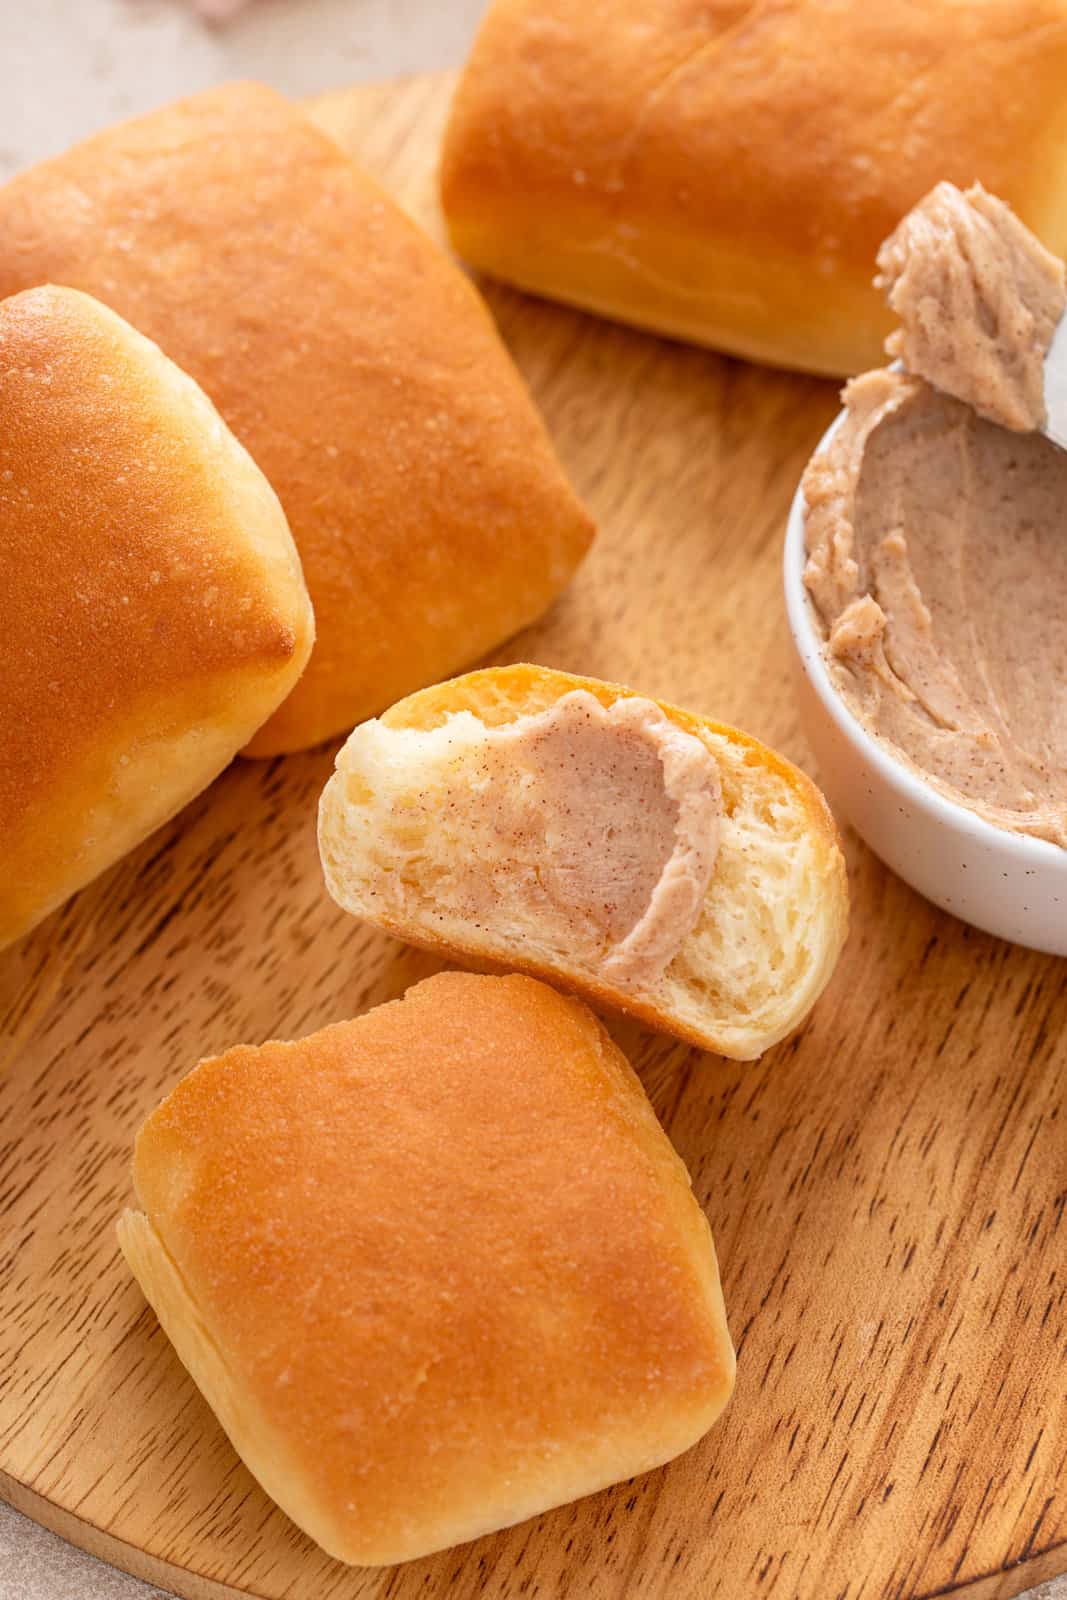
(646, 857)
(154, 611)
(436, 1270)
(351, 357)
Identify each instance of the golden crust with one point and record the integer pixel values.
(501, 694)
(154, 610)
(437, 1269)
(348, 354)
(725, 172)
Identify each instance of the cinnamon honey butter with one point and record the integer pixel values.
(936, 521)
(594, 828)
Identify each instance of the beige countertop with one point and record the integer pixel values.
(68, 67)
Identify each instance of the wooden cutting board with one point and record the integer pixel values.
(886, 1188)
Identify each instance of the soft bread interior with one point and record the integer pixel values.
(773, 916)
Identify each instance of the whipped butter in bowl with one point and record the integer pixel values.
(926, 578)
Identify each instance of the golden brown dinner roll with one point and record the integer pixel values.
(348, 354)
(435, 1270)
(153, 607)
(725, 172)
(648, 858)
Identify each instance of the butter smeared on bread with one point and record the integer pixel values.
(436, 1270)
(440, 828)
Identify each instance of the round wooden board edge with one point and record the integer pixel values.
(116, 1552)
(1005, 1585)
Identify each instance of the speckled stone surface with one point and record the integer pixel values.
(68, 67)
(35, 1565)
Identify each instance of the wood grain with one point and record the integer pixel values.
(887, 1189)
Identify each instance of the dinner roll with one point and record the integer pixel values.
(350, 356)
(153, 606)
(646, 857)
(725, 172)
(436, 1270)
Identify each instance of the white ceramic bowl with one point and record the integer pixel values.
(1003, 882)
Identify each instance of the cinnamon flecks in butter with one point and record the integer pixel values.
(937, 569)
(978, 297)
(936, 521)
(582, 827)
(630, 807)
